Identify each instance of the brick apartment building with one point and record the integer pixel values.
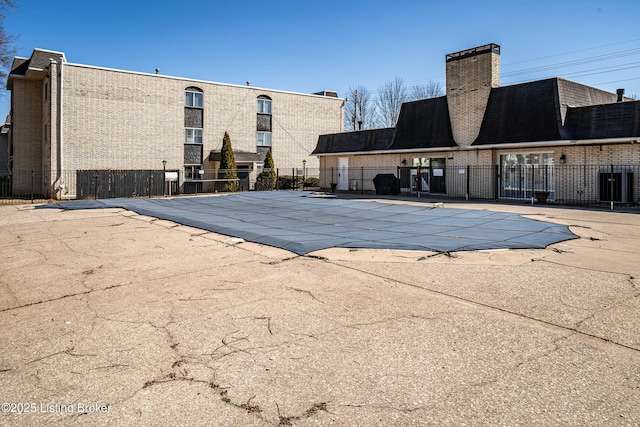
(568, 140)
(68, 117)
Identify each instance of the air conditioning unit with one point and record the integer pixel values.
(615, 186)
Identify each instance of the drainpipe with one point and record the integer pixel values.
(61, 164)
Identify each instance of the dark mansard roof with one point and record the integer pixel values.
(545, 110)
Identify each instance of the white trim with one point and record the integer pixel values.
(559, 143)
(60, 84)
(511, 145)
(255, 88)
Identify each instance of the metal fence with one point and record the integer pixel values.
(245, 179)
(41, 186)
(578, 185)
(107, 184)
(607, 186)
(22, 186)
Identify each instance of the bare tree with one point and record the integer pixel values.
(359, 110)
(429, 90)
(389, 102)
(7, 49)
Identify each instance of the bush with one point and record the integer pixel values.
(228, 164)
(312, 182)
(287, 182)
(266, 181)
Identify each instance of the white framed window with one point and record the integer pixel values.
(523, 174)
(264, 105)
(193, 97)
(264, 139)
(192, 172)
(525, 158)
(192, 136)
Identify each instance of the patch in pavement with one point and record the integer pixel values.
(302, 224)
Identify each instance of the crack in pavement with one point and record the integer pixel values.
(481, 304)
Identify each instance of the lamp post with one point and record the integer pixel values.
(304, 172)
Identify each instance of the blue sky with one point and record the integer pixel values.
(310, 46)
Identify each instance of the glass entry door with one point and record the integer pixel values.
(524, 175)
(426, 175)
(437, 177)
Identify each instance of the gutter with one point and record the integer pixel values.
(60, 115)
(558, 143)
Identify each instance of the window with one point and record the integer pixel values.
(192, 172)
(264, 139)
(422, 162)
(264, 105)
(193, 97)
(522, 175)
(193, 136)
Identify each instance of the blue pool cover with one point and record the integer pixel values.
(302, 223)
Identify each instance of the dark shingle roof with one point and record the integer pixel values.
(239, 156)
(424, 124)
(39, 59)
(364, 140)
(42, 58)
(521, 113)
(621, 119)
(545, 110)
(535, 111)
(19, 66)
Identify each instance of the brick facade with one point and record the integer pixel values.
(560, 138)
(470, 77)
(113, 119)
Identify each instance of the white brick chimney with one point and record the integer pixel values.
(471, 74)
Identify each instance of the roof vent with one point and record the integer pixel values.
(620, 93)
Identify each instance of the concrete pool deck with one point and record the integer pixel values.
(165, 324)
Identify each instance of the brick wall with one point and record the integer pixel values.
(469, 83)
(575, 181)
(114, 119)
(27, 132)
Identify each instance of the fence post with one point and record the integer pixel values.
(611, 185)
(361, 179)
(533, 182)
(468, 178)
(150, 181)
(32, 190)
(497, 182)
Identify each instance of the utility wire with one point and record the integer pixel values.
(559, 65)
(574, 63)
(570, 52)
